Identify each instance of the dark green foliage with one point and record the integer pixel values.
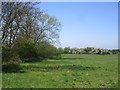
(115, 51)
(45, 50)
(61, 51)
(24, 47)
(6, 53)
(87, 50)
(66, 50)
(9, 56)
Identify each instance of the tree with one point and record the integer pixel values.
(13, 14)
(24, 21)
(67, 50)
(23, 18)
(48, 28)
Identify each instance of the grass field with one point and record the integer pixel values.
(71, 71)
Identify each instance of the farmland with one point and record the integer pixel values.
(71, 71)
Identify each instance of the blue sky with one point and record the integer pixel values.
(86, 24)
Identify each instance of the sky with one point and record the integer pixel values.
(86, 24)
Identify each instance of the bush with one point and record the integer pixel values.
(67, 50)
(45, 50)
(9, 56)
(6, 53)
(25, 49)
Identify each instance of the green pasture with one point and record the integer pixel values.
(71, 71)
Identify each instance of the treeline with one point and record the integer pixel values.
(90, 50)
(28, 33)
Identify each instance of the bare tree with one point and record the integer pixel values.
(24, 19)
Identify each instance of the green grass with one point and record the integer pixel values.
(71, 71)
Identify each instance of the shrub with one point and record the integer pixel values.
(25, 49)
(45, 50)
(67, 50)
(6, 53)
